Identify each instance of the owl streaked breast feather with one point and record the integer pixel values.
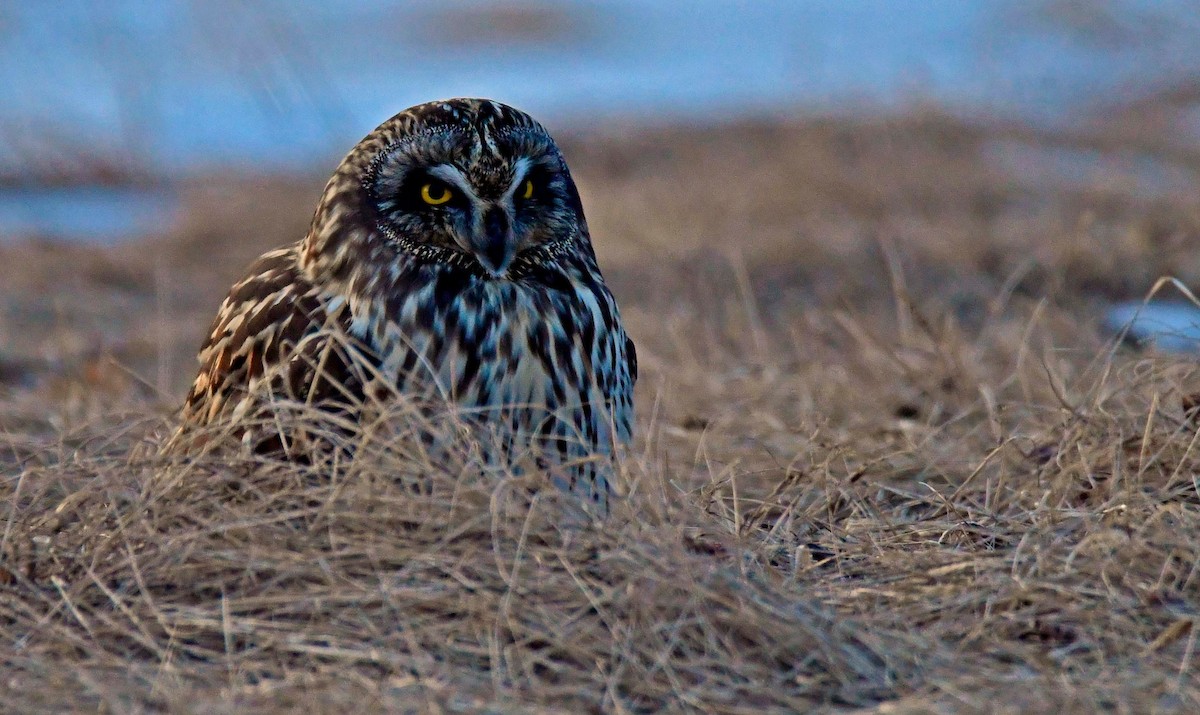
(449, 256)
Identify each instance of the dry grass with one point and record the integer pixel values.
(886, 462)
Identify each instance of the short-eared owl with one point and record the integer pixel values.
(450, 248)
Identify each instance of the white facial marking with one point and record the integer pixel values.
(451, 175)
(520, 169)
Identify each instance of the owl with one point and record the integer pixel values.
(448, 262)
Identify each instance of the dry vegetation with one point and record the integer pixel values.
(886, 460)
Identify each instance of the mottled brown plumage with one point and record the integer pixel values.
(448, 261)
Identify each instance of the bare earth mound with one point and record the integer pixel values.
(886, 460)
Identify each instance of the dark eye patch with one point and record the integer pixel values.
(408, 196)
(542, 178)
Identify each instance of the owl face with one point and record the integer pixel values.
(474, 184)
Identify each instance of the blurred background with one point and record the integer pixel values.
(749, 167)
(109, 105)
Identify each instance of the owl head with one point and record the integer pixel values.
(467, 183)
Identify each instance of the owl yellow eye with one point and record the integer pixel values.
(435, 195)
(528, 192)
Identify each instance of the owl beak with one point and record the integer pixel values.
(494, 242)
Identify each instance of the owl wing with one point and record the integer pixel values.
(277, 335)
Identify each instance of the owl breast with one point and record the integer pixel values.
(543, 364)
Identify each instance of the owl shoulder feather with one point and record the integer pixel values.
(277, 332)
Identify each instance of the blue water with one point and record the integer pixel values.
(1171, 326)
(182, 86)
(96, 213)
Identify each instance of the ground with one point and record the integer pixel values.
(886, 459)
